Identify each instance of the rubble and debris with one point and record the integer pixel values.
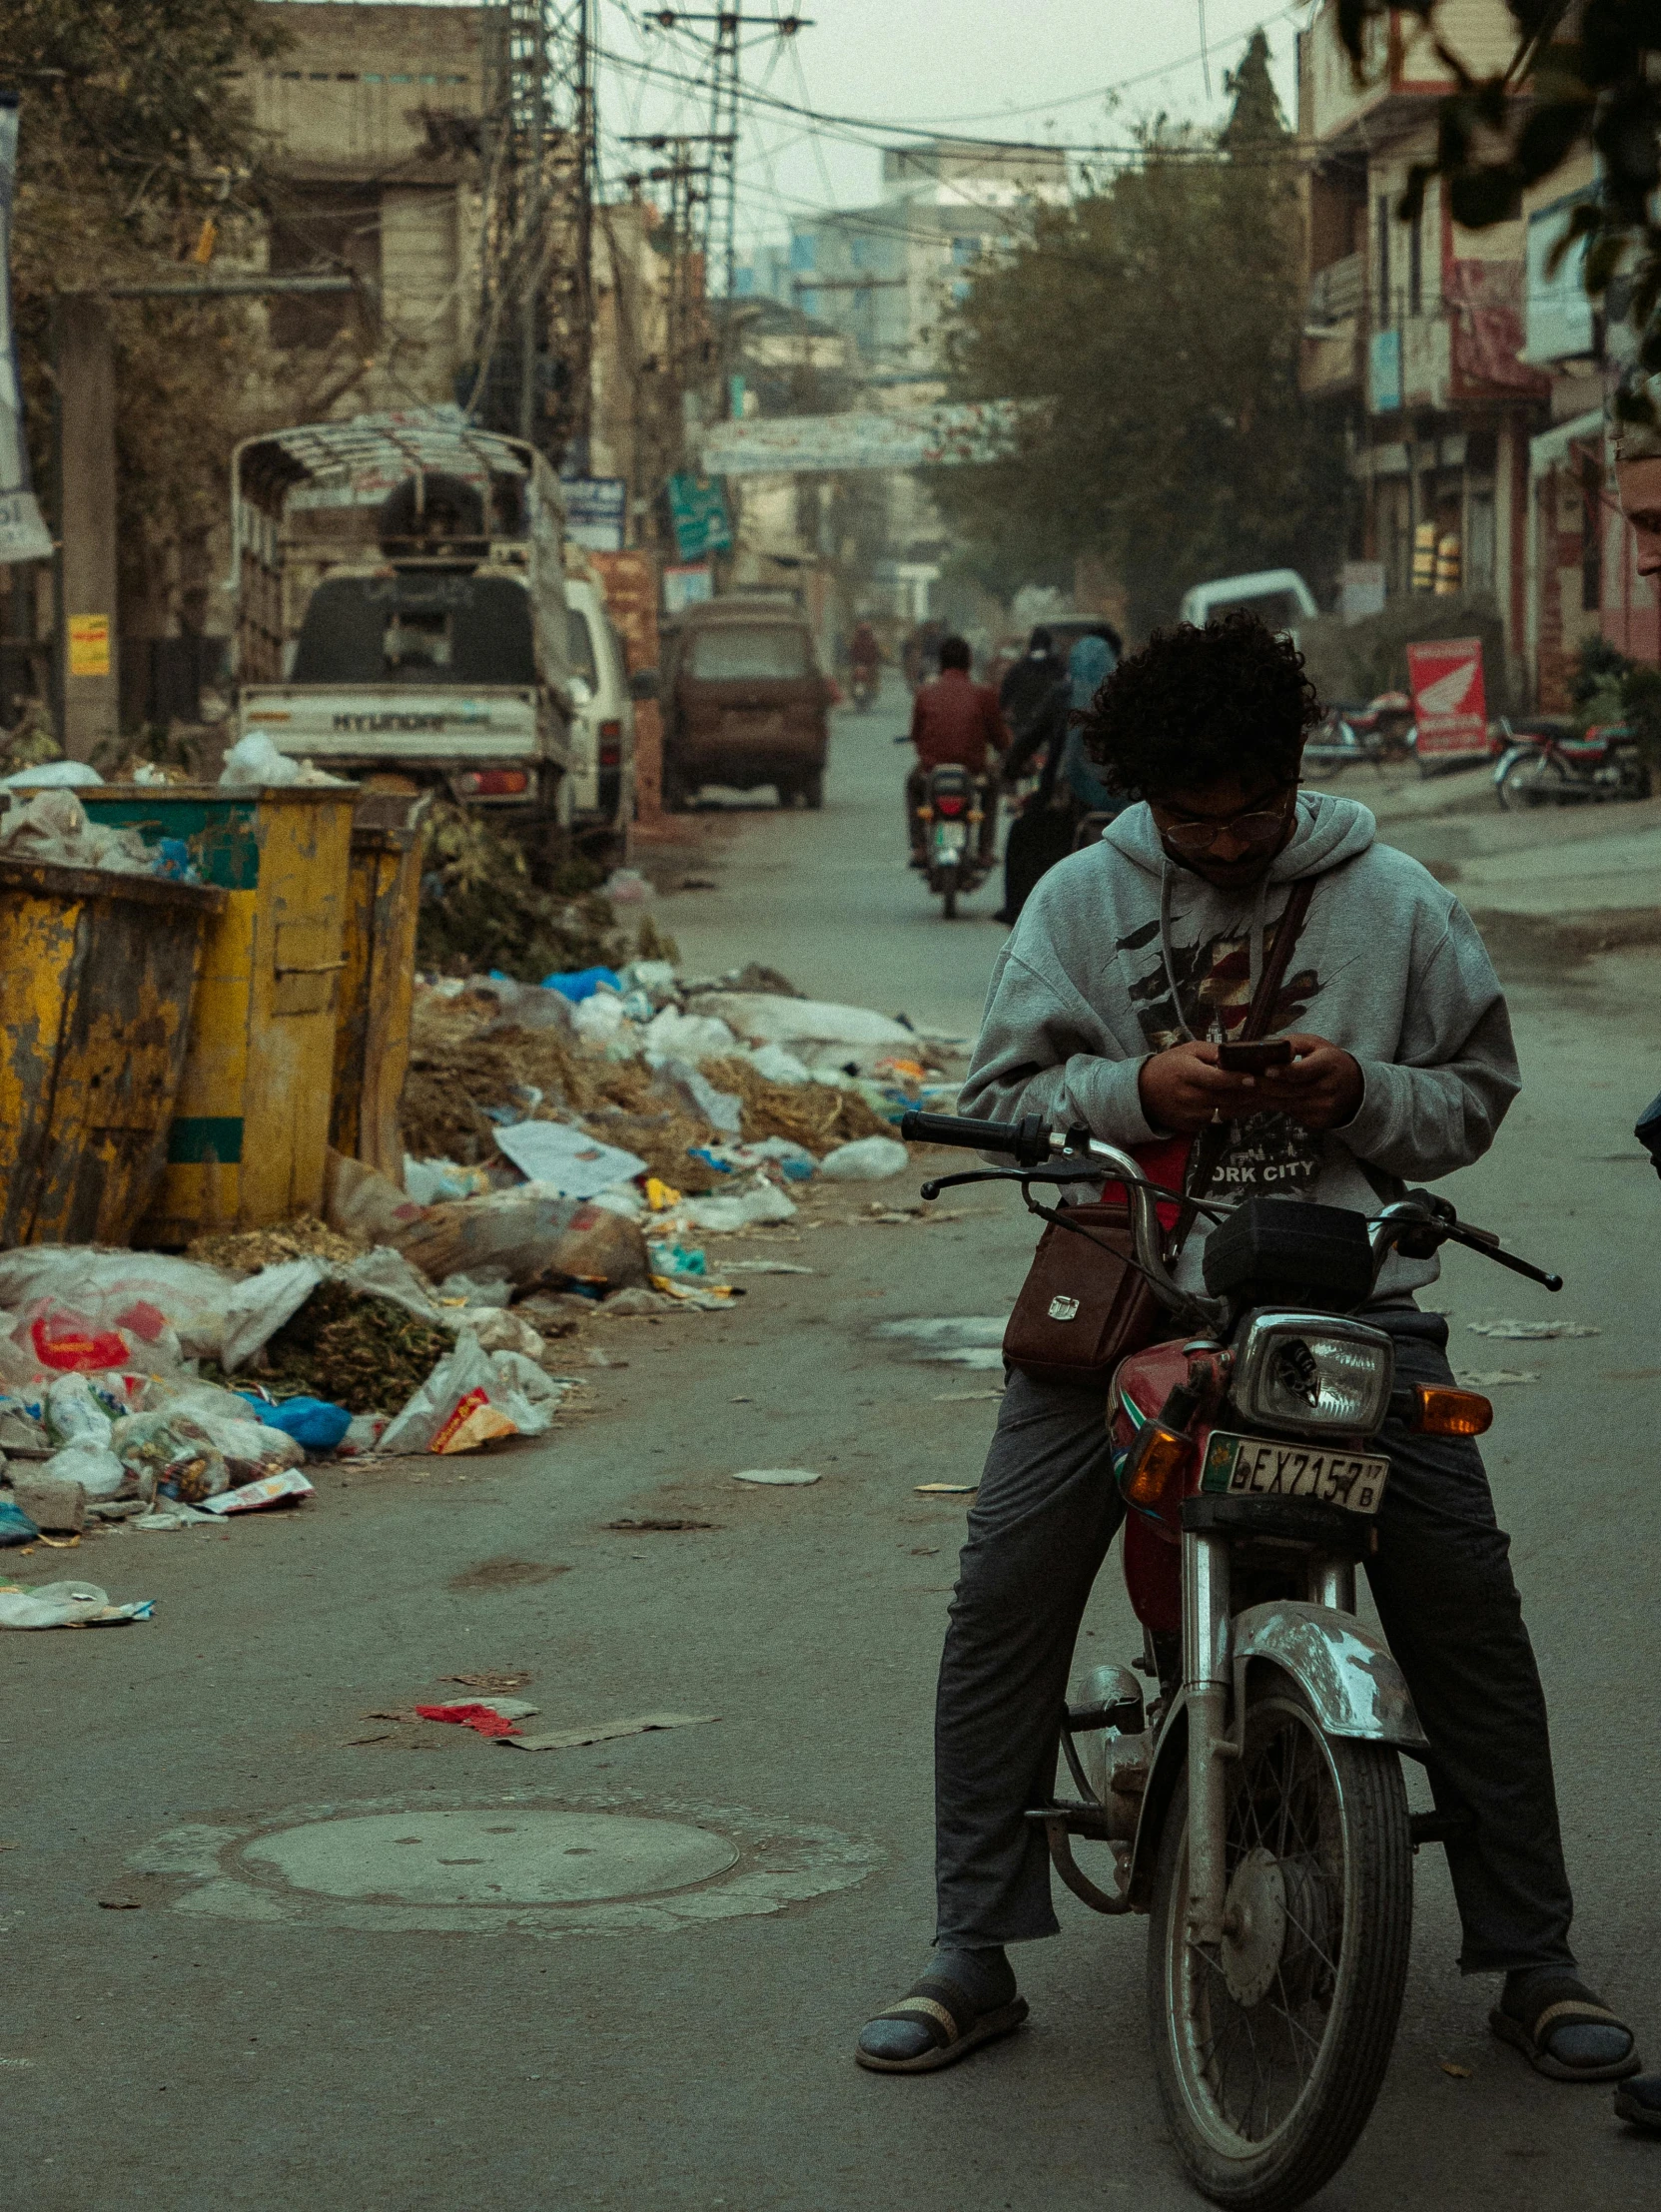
(247, 1497)
(1529, 1332)
(51, 1501)
(66, 1605)
(243, 1251)
(606, 1732)
(870, 1159)
(485, 1717)
(1496, 1378)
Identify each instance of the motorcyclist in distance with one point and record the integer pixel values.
(954, 720)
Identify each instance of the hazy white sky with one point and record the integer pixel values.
(1059, 71)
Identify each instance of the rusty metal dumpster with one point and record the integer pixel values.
(97, 972)
(249, 1134)
(372, 1033)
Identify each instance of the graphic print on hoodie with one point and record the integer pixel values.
(1118, 952)
(1204, 991)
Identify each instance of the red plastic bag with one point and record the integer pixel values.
(72, 1344)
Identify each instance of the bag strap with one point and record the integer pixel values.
(1212, 1143)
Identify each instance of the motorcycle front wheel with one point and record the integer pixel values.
(1531, 779)
(1271, 2047)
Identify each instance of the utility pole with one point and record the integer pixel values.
(531, 376)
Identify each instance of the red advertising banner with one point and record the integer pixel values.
(1449, 698)
(629, 581)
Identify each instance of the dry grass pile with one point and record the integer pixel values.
(817, 1115)
(244, 1251)
(462, 1063)
(368, 1355)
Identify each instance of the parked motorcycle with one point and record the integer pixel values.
(1252, 1801)
(950, 814)
(1545, 763)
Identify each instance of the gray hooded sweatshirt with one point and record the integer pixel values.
(1120, 954)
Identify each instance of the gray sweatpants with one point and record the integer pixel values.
(1037, 1534)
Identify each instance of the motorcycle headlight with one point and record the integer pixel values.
(1307, 1375)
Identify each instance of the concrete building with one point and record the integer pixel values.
(1415, 334)
(887, 275)
(375, 123)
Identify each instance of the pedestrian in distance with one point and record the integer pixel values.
(1044, 830)
(1132, 959)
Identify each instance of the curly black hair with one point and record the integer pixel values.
(1195, 705)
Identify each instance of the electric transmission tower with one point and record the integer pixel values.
(530, 375)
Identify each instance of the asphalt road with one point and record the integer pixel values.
(185, 2028)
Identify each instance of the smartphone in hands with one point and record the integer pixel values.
(1242, 1059)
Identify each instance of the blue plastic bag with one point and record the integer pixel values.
(313, 1422)
(15, 1525)
(582, 982)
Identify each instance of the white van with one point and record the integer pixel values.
(602, 724)
(1278, 596)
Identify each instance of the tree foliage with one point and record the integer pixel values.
(1159, 317)
(131, 136)
(1581, 76)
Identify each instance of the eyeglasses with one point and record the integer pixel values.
(1260, 827)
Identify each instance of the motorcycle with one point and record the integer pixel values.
(864, 683)
(1545, 763)
(951, 815)
(1250, 1801)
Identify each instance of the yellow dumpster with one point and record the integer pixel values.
(250, 1133)
(97, 975)
(372, 1030)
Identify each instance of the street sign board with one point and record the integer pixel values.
(934, 436)
(594, 512)
(1449, 699)
(698, 511)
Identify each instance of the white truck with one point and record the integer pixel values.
(403, 618)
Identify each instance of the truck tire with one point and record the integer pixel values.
(812, 788)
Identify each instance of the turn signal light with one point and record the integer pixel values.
(612, 744)
(1158, 1461)
(1442, 1412)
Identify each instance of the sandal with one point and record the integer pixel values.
(1641, 2102)
(1560, 2002)
(952, 2024)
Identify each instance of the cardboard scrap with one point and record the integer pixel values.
(603, 1732)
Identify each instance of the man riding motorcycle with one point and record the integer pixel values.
(1132, 960)
(954, 721)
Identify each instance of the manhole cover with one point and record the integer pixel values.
(522, 1864)
(492, 1857)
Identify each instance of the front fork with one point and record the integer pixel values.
(1211, 1745)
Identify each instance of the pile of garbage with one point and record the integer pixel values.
(573, 1147)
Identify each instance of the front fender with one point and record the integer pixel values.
(1354, 1686)
(1512, 754)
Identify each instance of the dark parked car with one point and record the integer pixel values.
(745, 703)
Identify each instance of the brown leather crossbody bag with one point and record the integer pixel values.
(1085, 1305)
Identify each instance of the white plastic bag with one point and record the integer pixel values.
(98, 1471)
(514, 1389)
(773, 1064)
(66, 1605)
(52, 775)
(108, 1285)
(257, 1308)
(693, 1038)
(869, 1159)
(256, 760)
(763, 1201)
(74, 1415)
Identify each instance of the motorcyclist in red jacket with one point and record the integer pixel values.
(957, 720)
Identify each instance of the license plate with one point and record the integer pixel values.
(950, 837)
(1264, 1467)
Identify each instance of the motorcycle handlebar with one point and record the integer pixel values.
(1027, 1140)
